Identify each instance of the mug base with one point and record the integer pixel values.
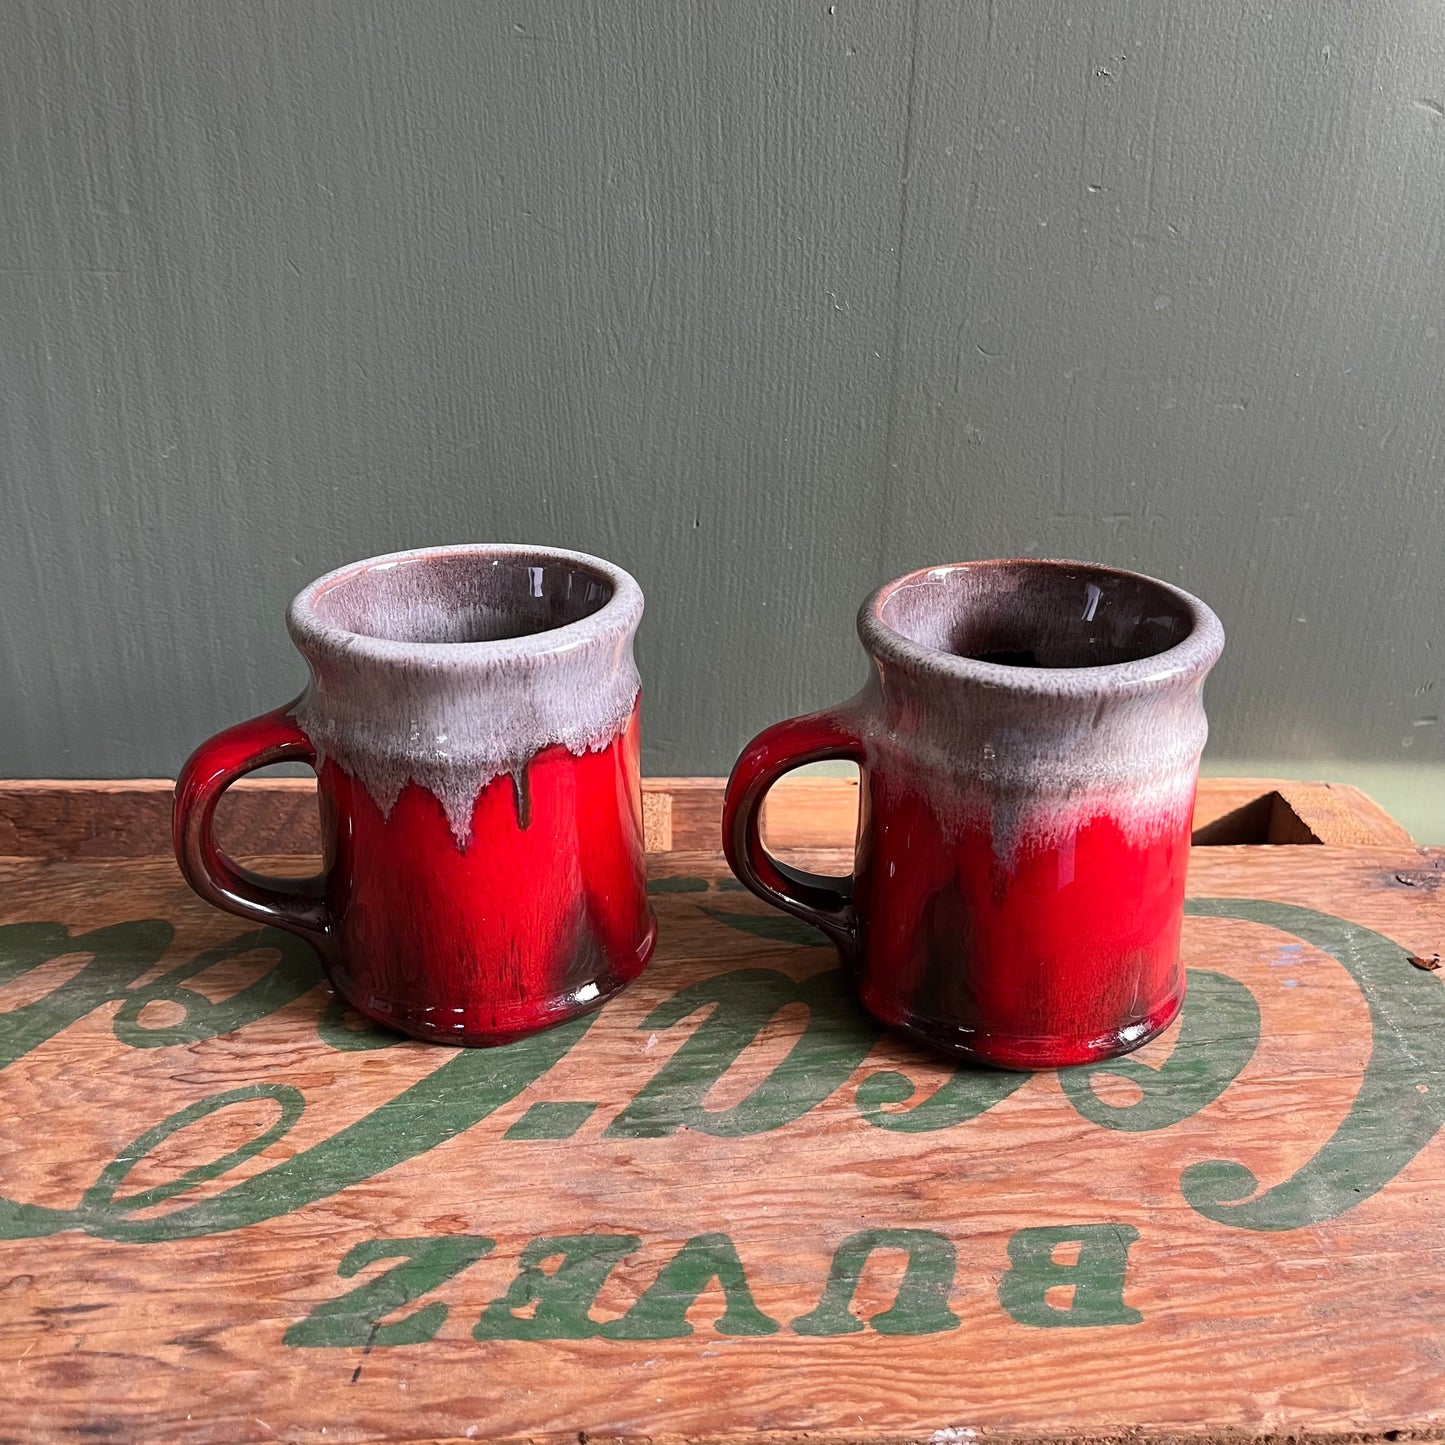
(418, 1021)
(1027, 1053)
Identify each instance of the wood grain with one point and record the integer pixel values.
(1325, 1330)
(68, 819)
(1255, 810)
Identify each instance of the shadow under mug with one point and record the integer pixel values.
(472, 717)
(1028, 744)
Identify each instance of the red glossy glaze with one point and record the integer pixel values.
(1038, 955)
(540, 916)
(1044, 956)
(1028, 744)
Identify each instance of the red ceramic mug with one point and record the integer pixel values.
(472, 717)
(1028, 743)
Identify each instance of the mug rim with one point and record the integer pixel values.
(1192, 656)
(619, 614)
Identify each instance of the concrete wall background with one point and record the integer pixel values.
(767, 302)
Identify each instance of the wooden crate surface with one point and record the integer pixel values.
(725, 1206)
(127, 818)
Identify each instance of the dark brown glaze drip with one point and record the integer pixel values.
(522, 797)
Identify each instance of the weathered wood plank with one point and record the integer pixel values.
(70, 819)
(323, 1229)
(125, 818)
(1259, 810)
(823, 812)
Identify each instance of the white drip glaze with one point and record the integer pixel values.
(451, 716)
(1032, 754)
(1029, 820)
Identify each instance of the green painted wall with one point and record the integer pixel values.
(768, 302)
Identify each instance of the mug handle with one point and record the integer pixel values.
(827, 903)
(297, 905)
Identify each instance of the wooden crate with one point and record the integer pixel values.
(725, 1206)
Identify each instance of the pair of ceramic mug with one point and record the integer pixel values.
(1028, 742)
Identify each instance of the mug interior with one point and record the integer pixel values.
(1037, 614)
(461, 597)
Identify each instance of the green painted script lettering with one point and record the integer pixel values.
(1401, 1102)
(355, 1318)
(294, 973)
(335, 1029)
(471, 1085)
(563, 1297)
(1399, 1108)
(823, 1058)
(921, 1305)
(661, 1312)
(1097, 1278)
(119, 955)
(966, 1094)
(1218, 1034)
